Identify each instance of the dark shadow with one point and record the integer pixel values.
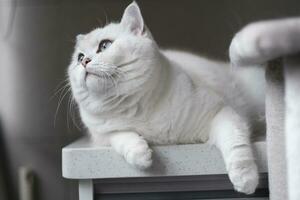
(158, 166)
(4, 169)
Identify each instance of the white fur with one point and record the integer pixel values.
(230, 133)
(165, 97)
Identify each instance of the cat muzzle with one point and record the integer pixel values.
(85, 61)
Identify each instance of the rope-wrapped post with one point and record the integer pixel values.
(275, 110)
(292, 124)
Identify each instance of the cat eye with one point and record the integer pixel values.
(103, 45)
(80, 57)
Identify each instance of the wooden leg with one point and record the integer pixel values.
(86, 190)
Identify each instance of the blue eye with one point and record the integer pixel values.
(103, 45)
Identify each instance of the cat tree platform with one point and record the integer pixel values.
(101, 172)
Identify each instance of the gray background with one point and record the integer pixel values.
(41, 44)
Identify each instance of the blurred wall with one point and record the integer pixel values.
(35, 57)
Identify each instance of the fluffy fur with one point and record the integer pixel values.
(133, 93)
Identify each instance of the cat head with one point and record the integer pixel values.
(118, 58)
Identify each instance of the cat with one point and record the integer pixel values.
(130, 93)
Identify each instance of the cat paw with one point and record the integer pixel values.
(244, 176)
(139, 156)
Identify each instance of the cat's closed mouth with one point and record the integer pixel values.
(93, 74)
(101, 75)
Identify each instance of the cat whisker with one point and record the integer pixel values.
(60, 88)
(68, 110)
(106, 17)
(59, 104)
(120, 73)
(111, 78)
(127, 63)
(71, 111)
(100, 22)
(109, 66)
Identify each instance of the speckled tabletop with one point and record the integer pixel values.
(82, 160)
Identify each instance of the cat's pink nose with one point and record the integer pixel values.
(85, 61)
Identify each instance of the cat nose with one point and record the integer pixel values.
(85, 61)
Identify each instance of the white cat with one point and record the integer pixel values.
(131, 93)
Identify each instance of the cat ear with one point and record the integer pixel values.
(132, 19)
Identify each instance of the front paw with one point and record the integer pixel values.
(244, 176)
(140, 156)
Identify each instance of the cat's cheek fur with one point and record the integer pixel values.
(76, 74)
(97, 84)
(77, 82)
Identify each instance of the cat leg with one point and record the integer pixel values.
(262, 41)
(132, 147)
(230, 133)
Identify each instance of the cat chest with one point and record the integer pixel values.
(188, 123)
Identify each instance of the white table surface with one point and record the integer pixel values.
(82, 160)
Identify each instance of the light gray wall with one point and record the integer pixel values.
(38, 53)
